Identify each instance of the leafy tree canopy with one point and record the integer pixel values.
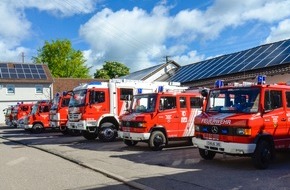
(112, 69)
(62, 60)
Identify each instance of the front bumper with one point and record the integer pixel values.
(224, 147)
(134, 136)
(82, 125)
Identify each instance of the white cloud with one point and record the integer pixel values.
(139, 38)
(15, 28)
(132, 37)
(281, 32)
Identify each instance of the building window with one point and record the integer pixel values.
(10, 89)
(38, 89)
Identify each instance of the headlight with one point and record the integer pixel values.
(243, 131)
(197, 128)
(140, 124)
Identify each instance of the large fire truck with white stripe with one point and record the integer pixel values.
(94, 108)
(248, 119)
(156, 118)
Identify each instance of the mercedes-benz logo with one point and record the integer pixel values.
(214, 129)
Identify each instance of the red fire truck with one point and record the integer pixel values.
(8, 116)
(59, 111)
(94, 108)
(38, 119)
(156, 118)
(245, 120)
(19, 111)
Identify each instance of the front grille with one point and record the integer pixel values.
(129, 123)
(218, 130)
(74, 116)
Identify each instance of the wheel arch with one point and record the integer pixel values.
(159, 128)
(110, 119)
(266, 137)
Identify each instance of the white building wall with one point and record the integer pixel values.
(23, 93)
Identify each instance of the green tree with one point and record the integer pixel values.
(62, 60)
(112, 69)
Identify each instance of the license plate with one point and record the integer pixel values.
(213, 143)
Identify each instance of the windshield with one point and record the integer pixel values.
(234, 100)
(34, 109)
(55, 103)
(78, 98)
(143, 103)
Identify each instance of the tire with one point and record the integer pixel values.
(130, 143)
(157, 140)
(63, 130)
(89, 136)
(37, 128)
(206, 154)
(262, 155)
(108, 132)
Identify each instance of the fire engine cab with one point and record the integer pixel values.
(246, 120)
(95, 107)
(156, 118)
(59, 111)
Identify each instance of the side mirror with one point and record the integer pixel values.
(204, 92)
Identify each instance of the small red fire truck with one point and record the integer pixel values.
(245, 120)
(38, 119)
(59, 111)
(156, 118)
(94, 108)
(19, 111)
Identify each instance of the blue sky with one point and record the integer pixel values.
(140, 33)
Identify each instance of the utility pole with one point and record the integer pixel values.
(167, 58)
(22, 55)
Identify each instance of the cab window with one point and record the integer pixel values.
(195, 102)
(97, 97)
(182, 102)
(288, 99)
(167, 103)
(273, 99)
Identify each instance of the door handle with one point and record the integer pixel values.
(283, 119)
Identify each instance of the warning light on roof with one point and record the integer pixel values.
(219, 83)
(139, 90)
(261, 79)
(160, 88)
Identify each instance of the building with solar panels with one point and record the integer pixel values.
(272, 60)
(24, 83)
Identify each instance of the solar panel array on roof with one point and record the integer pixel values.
(256, 58)
(21, 71)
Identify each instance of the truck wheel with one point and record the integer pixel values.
(130, 143)
(157, 140)
(63, 130)
(37, 128)
(262, 155)
(108, 132)
(89, 136)
(206, 154)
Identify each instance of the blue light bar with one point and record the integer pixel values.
(219, 83)
(261, 79)
(160, 88)
(139, 90)
(95, 83)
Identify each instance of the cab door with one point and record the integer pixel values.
(190, 106)
(275, 120)
(98, 104)
(168, 116)
(44, 114)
